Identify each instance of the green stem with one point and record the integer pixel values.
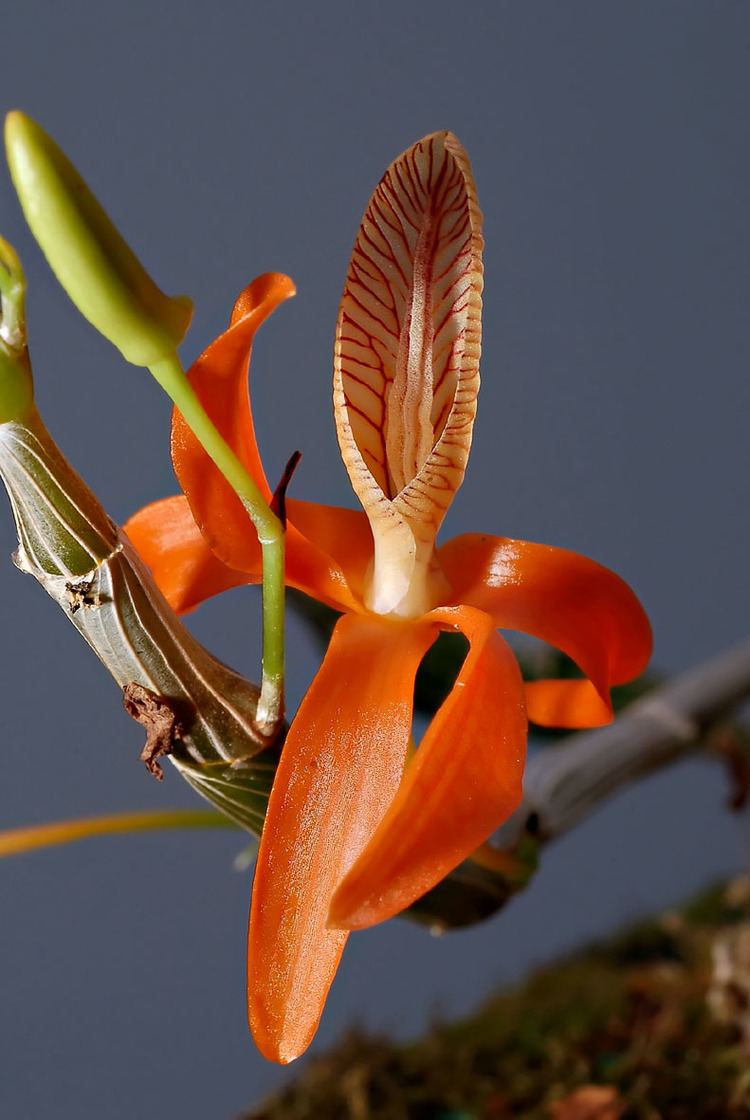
(172, 378)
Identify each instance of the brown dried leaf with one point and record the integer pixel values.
(591, 1102)
(158, 716)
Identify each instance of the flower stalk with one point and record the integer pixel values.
(171, 377)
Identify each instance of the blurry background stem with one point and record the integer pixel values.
(18, 840)
(565, 783)
(570, 778)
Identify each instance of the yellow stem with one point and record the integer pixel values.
(17, 840)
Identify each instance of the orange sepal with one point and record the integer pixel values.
(166, 538)
(566, 703)
(565, 599)
(219, 378)
(463, 782)
(328, 552)
(187, 572)
(340, 768)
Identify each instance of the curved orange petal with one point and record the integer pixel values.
(463, 782)
(328, 552)
(166, 538)
(220, 378)
(340, 768)
(567, 703)
(187, 572)
(565, 599)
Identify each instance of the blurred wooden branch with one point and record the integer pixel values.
(573, 775)
(566, 782)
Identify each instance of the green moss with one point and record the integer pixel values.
(631, 1013)
(716, 907)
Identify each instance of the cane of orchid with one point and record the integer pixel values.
(353, 833)
(359, 826)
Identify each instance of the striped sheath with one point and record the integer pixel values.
(88, 566)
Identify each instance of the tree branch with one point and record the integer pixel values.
(563, 784)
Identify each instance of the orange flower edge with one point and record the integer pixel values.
(353, 834)
(339, 771)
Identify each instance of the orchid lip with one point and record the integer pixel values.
(406, 368)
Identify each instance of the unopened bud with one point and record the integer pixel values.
(98, 270)
(16, 387)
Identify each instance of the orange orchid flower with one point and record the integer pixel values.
(353, 834)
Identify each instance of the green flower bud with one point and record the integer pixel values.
(100, 273)
(16, 386)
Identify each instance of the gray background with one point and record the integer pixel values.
(609, 142)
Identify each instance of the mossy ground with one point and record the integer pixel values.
(649, 1014)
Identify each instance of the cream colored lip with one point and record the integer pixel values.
(406, 366)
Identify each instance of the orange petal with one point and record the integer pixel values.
(463, 782)
(187, 572)
(165, 536)
(328, 552)
(406, 371)
(340, 768)
(567, 703)
(219, 377)
(565, 599)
